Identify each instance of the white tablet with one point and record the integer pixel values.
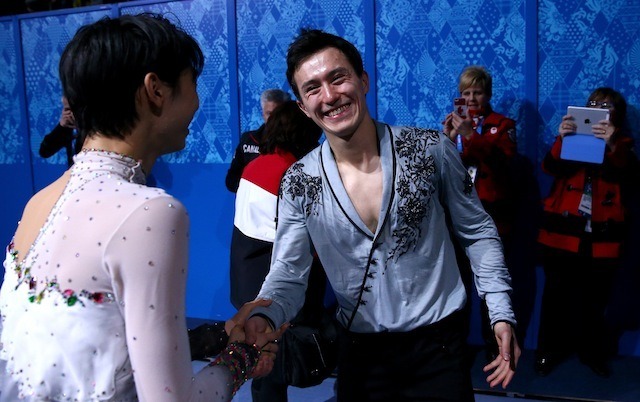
(585, 117)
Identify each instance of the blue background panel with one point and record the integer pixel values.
(543, 55)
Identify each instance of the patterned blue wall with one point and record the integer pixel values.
(584, 45)
(422, 46)
(544, 55)
(12, 126)
(265, 30)
(43, 40)
(210, 139)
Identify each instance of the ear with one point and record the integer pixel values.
(155, 90)
(365, 82)
(303, 108)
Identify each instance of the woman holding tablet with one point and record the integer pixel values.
(581, 234)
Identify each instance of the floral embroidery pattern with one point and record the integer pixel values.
(69, 296)
(297, 183)
(414, 188)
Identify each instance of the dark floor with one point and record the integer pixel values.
(570, 381)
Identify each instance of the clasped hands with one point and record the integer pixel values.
(266, 341)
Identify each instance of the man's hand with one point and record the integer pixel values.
(263, 338)
(243, 313)
(504, 366)
(268, 353)
(255, 327)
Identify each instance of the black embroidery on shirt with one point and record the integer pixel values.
(416, 168)
(297, 183)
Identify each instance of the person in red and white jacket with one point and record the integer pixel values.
(581, 234)
(288, 135)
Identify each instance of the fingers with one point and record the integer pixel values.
(273, 336)
(501, 372)
(237, 334)
(266, 360)
(255, 326)
(271, 348)
(567, 125)
(241, 316)
(504, 366)
(264, 366)
(281, 330)
(603, 128)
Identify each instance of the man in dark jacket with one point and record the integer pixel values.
(64, 135)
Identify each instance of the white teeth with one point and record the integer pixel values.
(337, 111)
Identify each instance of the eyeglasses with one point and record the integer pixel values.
(602, 105)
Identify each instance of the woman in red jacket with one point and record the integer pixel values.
(486, 141)
(581, 237)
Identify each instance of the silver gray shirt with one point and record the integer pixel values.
(406, 271)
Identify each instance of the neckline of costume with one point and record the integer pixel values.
(89, 164)
(100, 161)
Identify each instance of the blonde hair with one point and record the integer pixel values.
(476, 76)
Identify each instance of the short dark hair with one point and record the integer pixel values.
(619, 115)
(289, 129)
(105, 63)
(311, 41)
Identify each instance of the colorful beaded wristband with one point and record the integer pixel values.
(240, 359)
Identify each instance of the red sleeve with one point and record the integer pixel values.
(498, 136)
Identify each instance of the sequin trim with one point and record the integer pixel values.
(70, 296)
(240, 359)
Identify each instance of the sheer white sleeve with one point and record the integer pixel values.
(148, 259)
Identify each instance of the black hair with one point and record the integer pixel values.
(105, 63)
(289, 129)
(311, 41)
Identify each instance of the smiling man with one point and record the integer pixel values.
(372, 201)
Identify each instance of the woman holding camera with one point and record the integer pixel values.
(486, 141)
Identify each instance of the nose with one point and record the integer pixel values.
(329, 93)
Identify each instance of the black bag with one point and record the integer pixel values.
(207, 340)
(310, 354)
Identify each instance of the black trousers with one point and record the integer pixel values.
(426, 364)
(577, 290)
